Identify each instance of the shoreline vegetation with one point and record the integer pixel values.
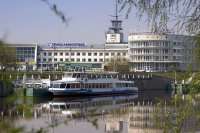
(7, 78)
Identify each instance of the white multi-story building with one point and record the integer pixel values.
(94, 57)
(160, 52)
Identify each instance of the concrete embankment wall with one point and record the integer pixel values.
(154, 83)
(6, 88)
(155, 87)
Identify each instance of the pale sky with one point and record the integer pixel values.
(31, 21)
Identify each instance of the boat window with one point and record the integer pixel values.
(98, 85)
(110, 86)
(126, 85)
(63, 85)
(55, 106)
(62, 107)
(51, 85)
(86, 85)
(73, 85)
(68, 75)
(104, 85)
(118, 85)
(56, 85)
(68, 86)
(78, 85)
(131, 84)
(89, 85)
(109, 76)
(107, 85)
(93, 85)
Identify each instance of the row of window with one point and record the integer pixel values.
(78, 85)
(91, 85)
(150, 58)
(82, 54)
(150, 44)
(149, 51)
(79, 60)
(72, 60)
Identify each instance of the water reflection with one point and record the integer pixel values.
(117, 114)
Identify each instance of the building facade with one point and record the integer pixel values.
(26, 56)
(91, 57)
(160, 52)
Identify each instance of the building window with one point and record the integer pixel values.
(61, 59)
(78, 54)
(95, 60)
(50, 60)
(49, 54)
(107, 60)
(89, 54)
(107, 54)
(66, 54)
(55, 54)
(83, 54)
(72, 54)
(118, 54)
(72, 59)
(84, 60)
(44, 59)
(45, 53)
(100, 54)
(124, 54)
(95, 54)
(55, 59)
(61, 54)
(112, 54)
(101, 60)
(89, 60)
(78, 59)
(66, 60)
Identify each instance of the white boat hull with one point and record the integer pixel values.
(94, 91)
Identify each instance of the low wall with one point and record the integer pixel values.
(155, 83)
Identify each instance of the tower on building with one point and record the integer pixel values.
(114, 34)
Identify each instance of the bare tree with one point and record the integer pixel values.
(185, 13)
(57, 12)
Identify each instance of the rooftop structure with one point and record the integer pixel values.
(114, 34)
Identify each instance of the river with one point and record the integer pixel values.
(106, 114)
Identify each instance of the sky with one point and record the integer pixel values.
(31, 21)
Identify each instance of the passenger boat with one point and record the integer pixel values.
(37, 88)
(91, 83)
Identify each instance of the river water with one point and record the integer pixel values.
(106, 114)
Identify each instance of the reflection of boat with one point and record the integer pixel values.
(98, 104)
(90, 83)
